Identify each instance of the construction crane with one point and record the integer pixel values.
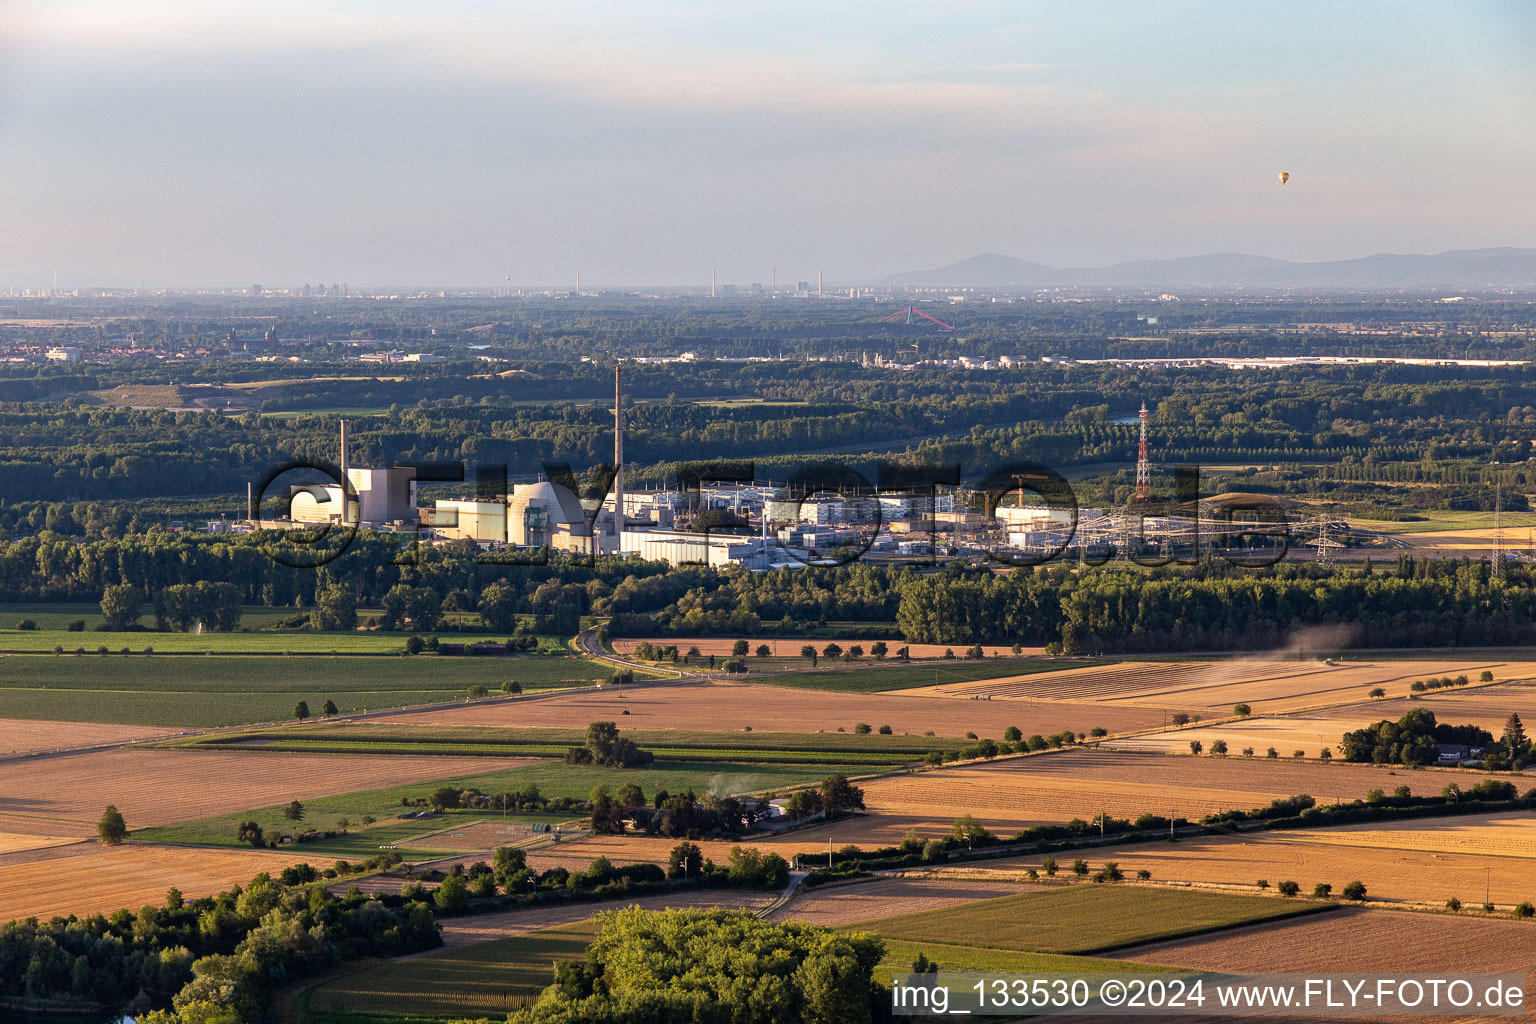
(907, 316)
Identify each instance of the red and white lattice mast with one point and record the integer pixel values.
(1143, 466)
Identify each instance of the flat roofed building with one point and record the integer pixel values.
(481, 521)
(380, 497)
(684, 547)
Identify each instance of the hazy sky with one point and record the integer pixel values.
(453, 141)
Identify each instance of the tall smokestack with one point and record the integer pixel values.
(711, 282)
(818, 281)
(618, 456)
(250, 501)
(346, 477)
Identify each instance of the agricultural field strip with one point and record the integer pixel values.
(159, 787)
(1408, 878)
(844, 748)
(737, 706)
(881, 896)
(1085, 919)
(553, 778)
(744, 755)
(1012, 792)
(1242, 729)
(114, 878)
(1356, 940)
(1085, 681)
(1300, 675)
(899, 954)
(501, 833)
(1108, 685)
(489, 963)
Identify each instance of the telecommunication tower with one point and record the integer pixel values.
(1143, 465)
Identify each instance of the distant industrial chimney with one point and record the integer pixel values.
(250, 501)
(711, 282)
(345, 475)
(618, 457)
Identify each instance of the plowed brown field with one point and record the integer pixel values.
(65, 795)
(734, 706)
(18, 735)
(108, 879)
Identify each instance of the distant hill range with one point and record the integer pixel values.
(1469, 269)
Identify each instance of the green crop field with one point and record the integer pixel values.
(54, 615)
(667, 744)
(554, 779)
(875, 678)
(43, 641)
(1086, 918)
(221, 689)
(900, 953)
(484, 980)
(845, 759)
(412, 838)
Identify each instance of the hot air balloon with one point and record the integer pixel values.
(1285, 176)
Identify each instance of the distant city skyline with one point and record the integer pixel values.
(189, 144)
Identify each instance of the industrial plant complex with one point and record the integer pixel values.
(762, 525)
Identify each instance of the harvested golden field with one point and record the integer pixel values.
(791, 648)
(65, 795)
(1355, 941)
(735, 706)
(14, 842)
(1486, 706)
(1461, 542)
(1214, 687)
(1510, 834)
(832, 906)
(1010, 793)
(1409, 876)
(1286, 733)
(104, 879)
(20, 735)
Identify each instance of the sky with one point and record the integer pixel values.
(455, 143)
